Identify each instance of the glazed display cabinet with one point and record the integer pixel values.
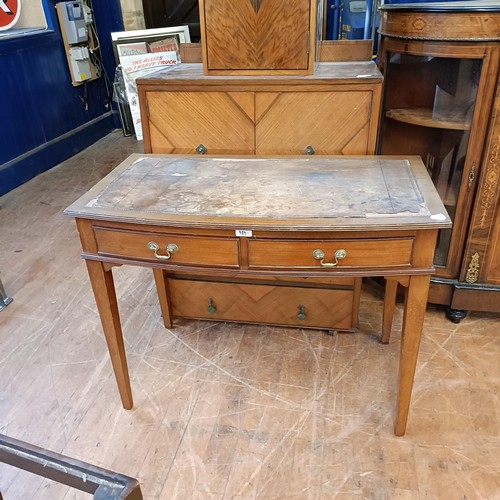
(441, 101)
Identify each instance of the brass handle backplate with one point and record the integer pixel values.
(211, 308)
(171, 248)
(320, 255)
(302, 312)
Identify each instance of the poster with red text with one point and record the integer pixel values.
(139, 65)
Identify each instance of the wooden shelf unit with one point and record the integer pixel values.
(423, 118)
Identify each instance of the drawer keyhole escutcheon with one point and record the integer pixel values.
(211, 308)
(201, 149)
(309, 150)
(302, 312)
(320, 255)
(171, 248)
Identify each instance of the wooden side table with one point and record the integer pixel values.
(225, 223)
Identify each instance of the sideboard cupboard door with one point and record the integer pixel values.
(335, 111)
(258, 35)
(200, 122)
(313, 123)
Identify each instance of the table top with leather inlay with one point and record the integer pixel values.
(333, 192)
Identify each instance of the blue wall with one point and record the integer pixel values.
(43, 118)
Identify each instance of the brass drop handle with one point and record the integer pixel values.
(309, 150)
(320, 255)
(171, 248)
(201, 149)
(211, 308)
(302, 312)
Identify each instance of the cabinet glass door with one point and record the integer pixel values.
(428, 108)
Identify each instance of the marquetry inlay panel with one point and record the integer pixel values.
(473, 269)
(483, 26)
(492, 174)
(491, 183)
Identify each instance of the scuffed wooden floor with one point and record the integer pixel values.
(227, 411)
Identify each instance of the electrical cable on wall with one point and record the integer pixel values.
(83, 47)
(95, 52)
(84, 99)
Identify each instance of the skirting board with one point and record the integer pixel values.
(23, 168)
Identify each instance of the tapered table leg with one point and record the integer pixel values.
(162, 290)
(107, 305)
(413, 322)
(391, 289)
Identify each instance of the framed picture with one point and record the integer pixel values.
(141, 52)
(136, 39)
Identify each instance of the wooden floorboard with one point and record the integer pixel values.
(227, 411)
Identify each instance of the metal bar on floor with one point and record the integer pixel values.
(103, 484)
(5, 300)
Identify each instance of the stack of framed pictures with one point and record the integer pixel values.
(140, 52)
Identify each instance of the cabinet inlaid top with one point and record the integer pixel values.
(156, 189)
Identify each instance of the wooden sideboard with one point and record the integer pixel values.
(441, 64)
(335, 111)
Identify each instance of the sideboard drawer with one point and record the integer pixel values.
(254, 303)
(358, 253)
(188, 250)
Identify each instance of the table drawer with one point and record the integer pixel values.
(254, 303)
(188, 250)
(356, 253)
